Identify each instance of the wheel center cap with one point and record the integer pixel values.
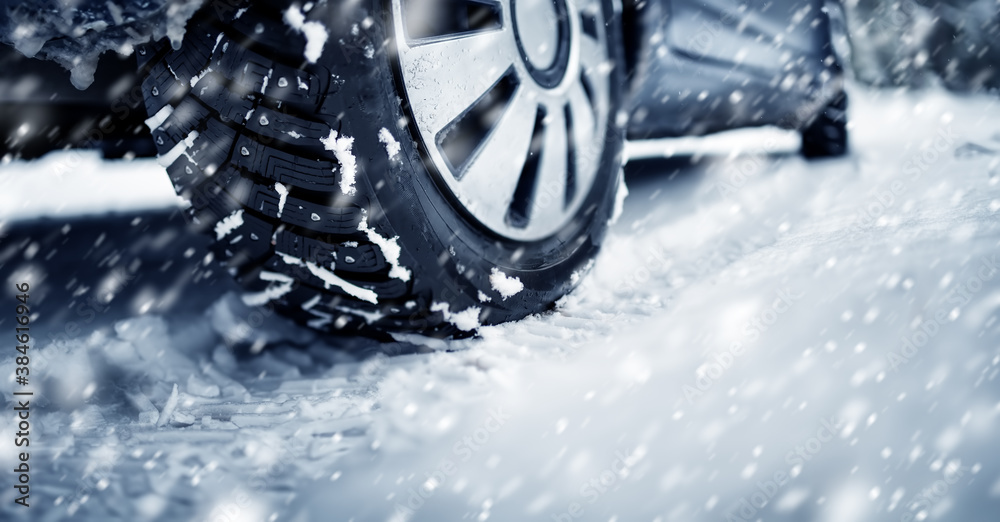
(542, 31)
(538, 29)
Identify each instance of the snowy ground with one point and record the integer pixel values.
(820, 339)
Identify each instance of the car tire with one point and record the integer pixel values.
(308, 140)
(826, 135)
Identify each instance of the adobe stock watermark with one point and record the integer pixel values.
(916, 166)
(958, 296)
(748, 166)
(713, 369)
(284, 454)
(723, 24)
(920, 504)
(747, 507)
(462, 450)
(896, 15)
(754, 161)
(658, 263)
(99, 473)
(655, 263)
(604, 481)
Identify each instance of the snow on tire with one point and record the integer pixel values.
(344, 184)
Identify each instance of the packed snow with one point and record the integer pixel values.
(391, 145)
(229, 223)
(181, 148)
(390, 250)
(154, 121)
(282, 196)
(466, 320)
(341, 148)
(504, 284)
(761, 337)
(272, 292)
(314, 32)
(330, 279)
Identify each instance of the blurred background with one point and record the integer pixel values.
(762, 337)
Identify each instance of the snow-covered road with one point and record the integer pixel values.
(761, 338)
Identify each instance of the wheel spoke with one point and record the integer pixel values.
(593, 57)
(510, 103)
(547, 205)
(588, 12)
(583, 115)
(430, 18)
(588, 149)
(594, 68)
(492, 174)
(444, 77)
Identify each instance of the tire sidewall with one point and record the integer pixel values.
(450, 255)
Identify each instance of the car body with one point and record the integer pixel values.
(693, 68)
(710, 65)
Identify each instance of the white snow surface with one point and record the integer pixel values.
(820, 339)
(735, 141)
(76, 182)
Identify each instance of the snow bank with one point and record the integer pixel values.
(75, 183)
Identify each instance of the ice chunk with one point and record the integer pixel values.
(168, 408)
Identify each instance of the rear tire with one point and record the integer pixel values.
(826, 136)
(308, 168)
